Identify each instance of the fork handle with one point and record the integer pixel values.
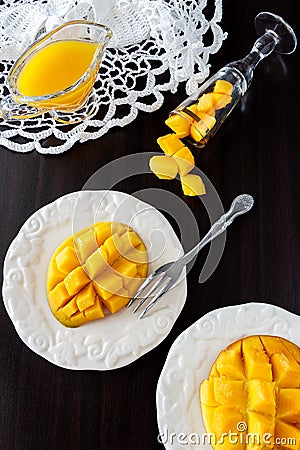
(240, 205)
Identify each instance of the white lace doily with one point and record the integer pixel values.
(153, 40)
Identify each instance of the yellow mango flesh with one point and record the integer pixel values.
(244, 385)
(288, 401)
(86, 298)
(228, 392)
(195, 121)
(206, 104)
(230, 364)
(223, 87)
(67, 260)
(96, 262)
(179, 125)
(205, 109)
(221, 100)
(192, 185)
(164, 167)
(95, 271)
(170, 143)
(288, 433)
(259, 426)
(256, 359)
(116, 302)
(224, 417)
(76, 280)
(261, 396)
(85, 244)
(184, 160)
(207, 119)
(198, 131)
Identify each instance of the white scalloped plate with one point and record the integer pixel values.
(191, 357)
(107, 343)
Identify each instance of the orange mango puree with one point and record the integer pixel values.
(56, 67)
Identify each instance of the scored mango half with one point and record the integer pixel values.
(100, 266)
(254, 382)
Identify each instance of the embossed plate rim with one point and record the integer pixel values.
(178, 415)
(82, 348)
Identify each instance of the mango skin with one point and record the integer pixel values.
(79, 291)
(255, 380)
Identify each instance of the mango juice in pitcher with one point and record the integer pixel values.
(56, 67)
(57, 73)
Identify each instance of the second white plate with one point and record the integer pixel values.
(107, 343)
(190, 359)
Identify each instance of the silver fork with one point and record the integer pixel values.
(163, 278)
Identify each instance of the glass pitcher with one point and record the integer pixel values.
(56, 74)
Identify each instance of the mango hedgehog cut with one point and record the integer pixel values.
(253, 390)
(100, 266)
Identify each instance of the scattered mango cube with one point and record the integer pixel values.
(192, 108)
(200, 129)
(184, 160)
(170, 143)
(192, 185)
(164, 167)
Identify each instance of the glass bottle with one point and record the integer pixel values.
(206, 113)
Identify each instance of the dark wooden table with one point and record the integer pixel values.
(256, 151)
